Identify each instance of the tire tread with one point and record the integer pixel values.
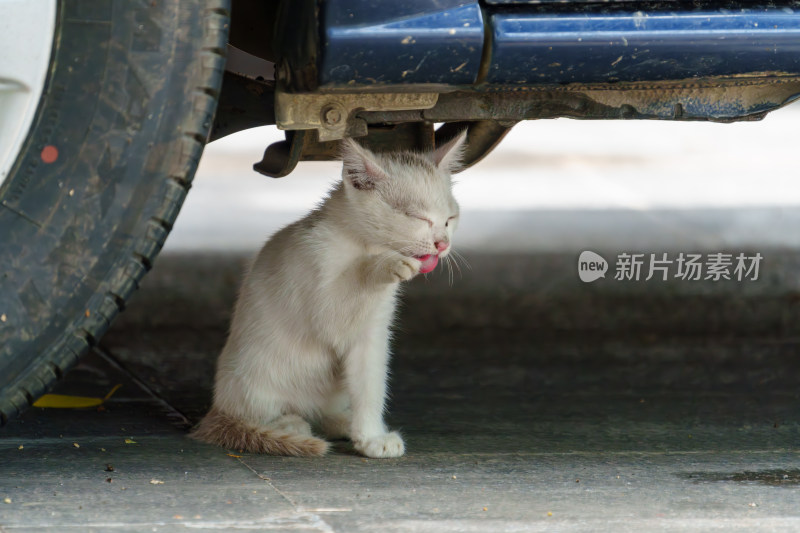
(86, 332)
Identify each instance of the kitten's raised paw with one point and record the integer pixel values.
(405, 268)
(382, 446)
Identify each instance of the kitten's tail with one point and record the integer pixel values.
(230, 432)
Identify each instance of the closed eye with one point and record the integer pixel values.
(427, 220)
(446, 224)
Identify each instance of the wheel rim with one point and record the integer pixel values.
(26, 40)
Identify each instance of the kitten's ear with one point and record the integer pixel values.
(448, 156)
(361, 168)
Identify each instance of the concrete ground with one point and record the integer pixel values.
(529, 401)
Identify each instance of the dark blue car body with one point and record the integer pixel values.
(513, 45)
(485, 65)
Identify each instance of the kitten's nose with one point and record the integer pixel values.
(441, 245)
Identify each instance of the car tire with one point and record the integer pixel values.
(125, 113)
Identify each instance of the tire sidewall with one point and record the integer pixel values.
(127, 106)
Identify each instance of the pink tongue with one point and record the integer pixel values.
(429, 262)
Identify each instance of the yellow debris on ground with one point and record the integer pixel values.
(64, 401)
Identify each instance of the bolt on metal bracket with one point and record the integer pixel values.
(333, 115)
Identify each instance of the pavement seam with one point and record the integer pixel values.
(179, 419)
(269, 482)
(324, 526)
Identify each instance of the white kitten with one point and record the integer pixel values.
(309, 339)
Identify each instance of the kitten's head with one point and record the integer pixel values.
(403, 201)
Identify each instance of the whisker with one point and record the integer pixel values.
(463, 259)
(450, 269)
(454, 261)
(455, 264)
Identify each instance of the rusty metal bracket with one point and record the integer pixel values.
(717, 100)
(333, 115)
(282, 157)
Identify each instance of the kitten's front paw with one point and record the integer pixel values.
(382, 446)
(405, 268)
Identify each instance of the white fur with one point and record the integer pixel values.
(310, 332)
